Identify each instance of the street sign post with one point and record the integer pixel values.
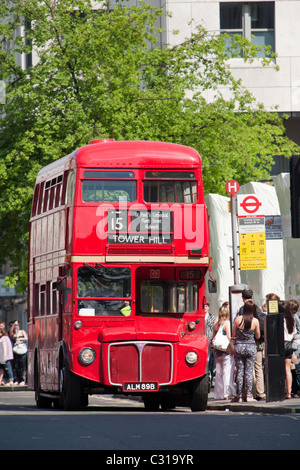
(232, 187)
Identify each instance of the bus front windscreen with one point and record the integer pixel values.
(103, 291)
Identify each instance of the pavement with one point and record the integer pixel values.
(12, 388)
(291, 405)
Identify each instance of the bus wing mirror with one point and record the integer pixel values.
(61, 283)
(212, 286)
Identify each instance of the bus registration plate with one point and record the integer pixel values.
(140, 386)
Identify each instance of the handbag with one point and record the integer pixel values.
(20, 348)
(220, 341)
(230, 348)
(290, 347)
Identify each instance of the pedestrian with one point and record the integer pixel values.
(3, 354)
(224, 384)
(272, 296)
(245, 331)
(8, 371)
(209, 326)
(289, 329)
(19, 338)
(12, 343)
(264, 308)
(258, 371)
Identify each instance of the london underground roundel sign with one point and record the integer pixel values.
(250, 205)
(232, 187)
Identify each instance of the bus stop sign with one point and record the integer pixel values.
(232, 187)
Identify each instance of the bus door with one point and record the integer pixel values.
(64, 286)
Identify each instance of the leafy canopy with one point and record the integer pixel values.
(103, 74)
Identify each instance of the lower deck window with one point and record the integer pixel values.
(168, 297)
(103, 291)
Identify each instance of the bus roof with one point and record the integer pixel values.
(108, 153)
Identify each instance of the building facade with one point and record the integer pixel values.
(274, 23)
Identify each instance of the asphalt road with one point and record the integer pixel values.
(121, 426)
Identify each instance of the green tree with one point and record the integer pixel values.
(103, 74)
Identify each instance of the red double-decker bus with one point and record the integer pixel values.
(118, 253)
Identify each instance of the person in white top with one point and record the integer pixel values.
(289, 328)
(3, 354)
(224, 384)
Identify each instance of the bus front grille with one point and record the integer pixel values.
(140, 361)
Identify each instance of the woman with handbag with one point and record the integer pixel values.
(224, 384)
(245, 330)
(289, 330)
(19, 339)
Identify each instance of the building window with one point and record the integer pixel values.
(252, 20)
(28, 56)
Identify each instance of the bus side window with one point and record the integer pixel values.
(46, 196)
(36, 299)
(48, 298)
(70, 188)
(35, 200)
(52, 193)
(66, 293)
(54, 298)
(42, 299)
(40, 199)
(58, 191)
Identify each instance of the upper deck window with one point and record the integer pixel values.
(108, 186)
(174, 175)
(95, 174)
(182, 188)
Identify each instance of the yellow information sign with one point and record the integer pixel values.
(253, 254)
(272, 306)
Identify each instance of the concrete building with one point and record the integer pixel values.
(264, 22)
(274, 23)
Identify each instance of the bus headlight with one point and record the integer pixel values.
(87, 356)
(191, 357)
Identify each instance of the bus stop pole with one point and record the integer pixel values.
(234, 240)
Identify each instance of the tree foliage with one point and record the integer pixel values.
(103, 74)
